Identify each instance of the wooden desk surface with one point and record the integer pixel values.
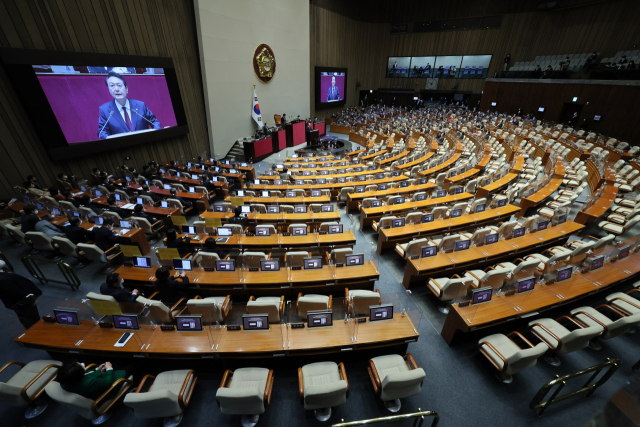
(599, 207)
(539, 196)
(441, 167)
(284, 200)
(501, 308)
(330, 186)
(309, 217)
(328, 176)
(151, 210)
(353, 199)
(311, 239)
(222, 215)
(392, 159)
(415, 162)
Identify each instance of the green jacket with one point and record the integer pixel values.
(94, 383)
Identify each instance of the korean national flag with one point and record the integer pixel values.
(255, 111)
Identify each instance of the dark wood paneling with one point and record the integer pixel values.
(142, 27)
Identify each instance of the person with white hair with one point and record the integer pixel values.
(20, 295)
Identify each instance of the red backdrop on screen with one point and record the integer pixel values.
(75, 101)
(325, 84)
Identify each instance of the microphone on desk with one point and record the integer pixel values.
(136, 111)
(105, 123)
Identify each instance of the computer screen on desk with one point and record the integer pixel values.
(319, 318)
(382, 187)
(192, 189)
(421, 197)
(526, 284)
(501, 203)
(263, 231)
(397, 223)
(376, 203)
(427, 218)
(481, 295)
(321, 181)
(66, 317)
(125, 321)
(342, 180)
(354, 259)
(458, 190)
(255, 322)
(423, 181)
(299, 231)
(542, 225)
(225, 265)
(299, 181)
(98, 193)
(264, 193)
(361, 178)
(256, 182)
(189, 323)
(441, 193)
(564, 274)
(380, 312)
(480, 208)
(270, 265)
(219, 208)
(312, 263)
(316, 193)
(273, 209)
(141, 262)
(379, 175)
(125, 224)
(335, 229)
(491, 238)
(188, 229)
(214, 179)
(182, 264)
(300, 209)
(140, 200)
(277, 181)
(224, 231)
(462, 245)
(519, 232)
(98, 220)
(240, 193)
(455, 213)
(404, 184)
(290, 194)
(167, 187)
(360, 189)
(597, 262)
(245, 209)
(306, 173)
(326, 208)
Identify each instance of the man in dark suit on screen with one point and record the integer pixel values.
(123, 115)
(333, 94)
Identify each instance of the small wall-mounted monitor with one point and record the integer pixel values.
(141, 262)
(380, 312)
(255, 322)
(182, 264)
(597, 118)
(299, 231)
(493, 104)
(526, 285)
(270, 265)
(224, 231)
(519, 232)
(481, 295)
(188, 229)
(397, 223)
(66, 317)
(225, 265)
(564, 274)
(335, 229)
(312, 263)
(125, 321)
(354, 259)
(541, 109)
(491, 239)
(319, 318)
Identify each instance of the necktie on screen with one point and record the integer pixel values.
(127, 119)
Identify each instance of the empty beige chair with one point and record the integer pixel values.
(94, 253)
(246, 392)
(26, 385)
(212, 309)
(167, 396)
(447, 243)
(159, 312)
(178, 204)
(493, 277)
(359, 300)
(611, 227)
(312, 302)
(478, 236)
(626, 302)
(17, 234)
(149, 229)
(447, 289)
(322, 386)
(385, 222)
(395, 377)
(93, 296)
(273, 306)
(338, 256)
(251, 259)
(344, 191)
(507, 356)
(611, 328)
(39, 241)
(561, 340)
(295, 258)
(97, 411)
(412, 248)
(66, 247)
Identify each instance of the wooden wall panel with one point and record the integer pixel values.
(163, 28)
(336, 40)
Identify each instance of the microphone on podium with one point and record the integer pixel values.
(136, 111)
(105, 123)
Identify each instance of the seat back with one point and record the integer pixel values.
(477, 238)
(311, 302)
(269, 227)
(144, 225)
(113, 215)
(65, 246)
(209, 309)
(447, 243)
(99, 297)
(76, 403)
(398, 385)
(240, 401)
(339, 255)
(68, 205)
(325, 225)
(16, 233)
(92, 252)
(40, 241)
(157, 310)
(578, 339)
(495, 278)
(176, 204)
(360, 300)
(271, 308)
(251, 259)
(205, 258)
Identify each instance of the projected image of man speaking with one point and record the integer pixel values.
(123, 115)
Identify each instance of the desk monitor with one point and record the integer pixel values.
(501, 203)
(319, 318)
(256, 182)
(421, 197)
(232, 171)
(219, 208)
(360, 189)
(455, 213)
(398, 200)
(380, 312)
(164, 204)
(306, 173)
(526, 284)
(240, 193)
(396, 173)
(342, 180)
(280, 166)
(324, 172)
(493, 104)
(299, 231)
(255, 322)
(379, 175)
(224, 231)
(452, 173)
(264, 193)
(178, 174)
(404, 184)
(427, 217)
(167, 187)
(597, 262)
(125, 321)
(429, 251)
(76, 214)
(423, 180)
(263, 231)
(117, 197)
(564, 274)
(376, 203)
(245, 209)
(141, 262)
(188, 229)
(597, 118)
(342, 171)
(562, 219)
(362, 178)
(491, 239)
(83, 188)
(519, 232)
(66, 317)
(192, 189)
(542, 225)
(462, 245)
(56, 211)
(182, 264)
(458, 190)
(294, 156)
(225, 265)
(326, 208)
(312, 263)
(335, 229)
(273, 209)
(354, 259)
(290, 194)
(299, 182)
(316, 193)
(270, 265)
(300, 209)
(216, 169)
(382, 187)
(397, 223)
(214, 179)
(277, 182)
(481, 295)
(98, 193)
(624, 252)
(321, 181)
(481, 208)
(125, 224)
(40, 206)
(140, 200)
(98, 220)
(358, 169)
(441, 193)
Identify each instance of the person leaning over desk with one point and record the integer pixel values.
(114, 287)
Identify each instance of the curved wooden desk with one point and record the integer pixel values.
(284, 200)
(279, 241)
(354, 199)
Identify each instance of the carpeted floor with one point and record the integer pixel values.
(460, 384)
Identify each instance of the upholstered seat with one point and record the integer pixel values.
(273, 306)
(494, 277)
(509, 358)
(312, 302)
(19, 391)
(212, 309)
(359, 300)
(395, 377)
(246, 392)
(612, 328)
(560, 339)
(322, 386)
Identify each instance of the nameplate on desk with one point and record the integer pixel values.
(167, 328)
(105, 325)
(249, 234)
(286, 234)
(463, 304)
(127, 264)
(415, 257)
(209, 210)
(297, 268)
(339, 265)
(509, 293)
(233, 328)
(253, 269)
(212, 234)
(209, 269)
(297, 326)
(322, 232)
(362, 320)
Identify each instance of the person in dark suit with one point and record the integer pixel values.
(113, 287)
(105, 239)
(106, 183)
(25, 224)
(20, 295)
(206, 182)
(111, 202)
(307, 130)
(146, 192)
(91, 383)
(171, 290)
(122, 114)
(139, 212)
(333, 94)
(146, 172)
(125, 187)
(174, 195)
(77, 234)
(173, 241)
(265, 128)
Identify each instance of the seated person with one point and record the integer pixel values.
(174, 195)
(92, 383)
(211, 246)
(104, 236)
(77, 234)
(107, 183)
(174, 242)
(146, 172)
(24, 219)
(171, 290)
(114, 287)
(55, 193)
(111, 206)
(147, 192)
(210, 186)
(35, 191)
(138, 211)
(125, 187)
(38, 225)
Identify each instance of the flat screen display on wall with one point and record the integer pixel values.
(86, 103)
(331, 85)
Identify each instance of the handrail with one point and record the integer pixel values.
(70, 276)
(538, 405)
(418, 416)
(6, 261)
